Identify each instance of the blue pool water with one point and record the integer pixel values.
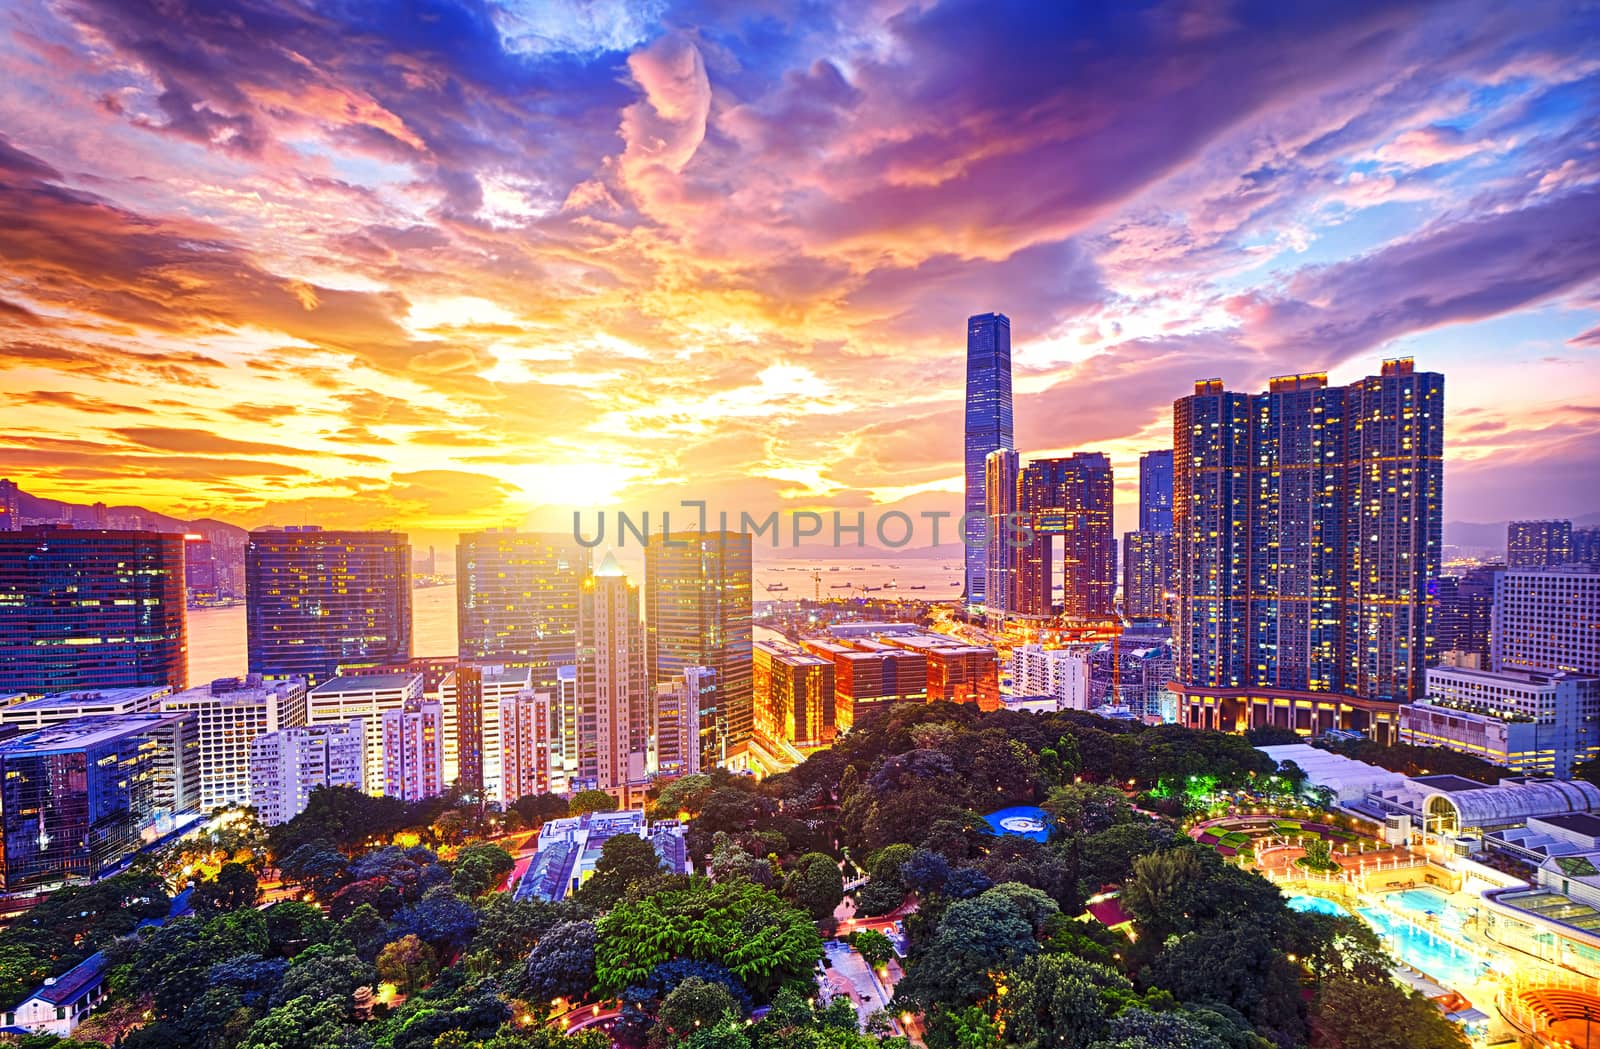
(1025, 821)
(1314, 904)
(1421, 949)
(1424, 902)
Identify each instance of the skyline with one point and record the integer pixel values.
(272, 268)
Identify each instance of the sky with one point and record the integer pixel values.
(442, 265)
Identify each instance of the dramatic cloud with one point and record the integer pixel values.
(478, 262)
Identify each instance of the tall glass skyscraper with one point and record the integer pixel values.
(517, 599)
(614, 701)
(1073, 497)
(1308, 522)
(1155, 491)
(698, 614)
(988, 429)
(91, 609)
(316, 601)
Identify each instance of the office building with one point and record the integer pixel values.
(287, 765)
(1000, 589)
(1538, 544)
(78, 799)
(61, 707)
(1060, 673)
(527, 745)
(1547, 620)
(413, 751)
(868, 673)
(317, 602)
(794, 695)
(1073, 497)
(1464, 614)
(365, 698)
(698, 614)
(517, 599)
(1308, 527)
(678, 703)
(957, 672)
(1532, 723)
(229, 714)
(85, 609)
(1147, 560)
(988, 429)
(613, 689)
(1155, 491)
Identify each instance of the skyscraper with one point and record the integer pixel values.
(1147, 555)
(229, 714)
(526, 745)
(1465, 612)
(1308, 524)
(91, 609)
(1073, 497)
(517, 599)
(678, 703)
(1538, 544)
(698, 614)
(316, 601)
(1000, 506)
(1155, 491)
(614, 708)
(988, 427)
(287, 765)
(413, 751)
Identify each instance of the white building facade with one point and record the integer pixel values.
(229, 714)
(287, 765)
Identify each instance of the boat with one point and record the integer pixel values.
(839, 586)
(773, 588)
(891, 585)
(857, 568)
(918, 586)
(955, 584)
(834, 568)
(871, 589)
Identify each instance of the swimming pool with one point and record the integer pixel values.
(1423, 949)
(1307, 904)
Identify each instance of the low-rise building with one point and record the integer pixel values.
(58, 708)
(65, 1001)
(867, 673)
(1530, 722)
(570, 848)
(1062, 673)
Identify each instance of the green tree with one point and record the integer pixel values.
(816, 884)
(480, 867)
(742, 926)
(625, 860)
(693, 1004)
(1355, 1015)
(304, 1023)
(562, 963)
(682, 797)
(875, 947)
(591, 801)
(1058, 1001)
(975, 939)
(235, 886)
(407, 963)
(1160, 894)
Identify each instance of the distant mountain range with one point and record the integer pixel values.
(87, 515)
(1492, 535)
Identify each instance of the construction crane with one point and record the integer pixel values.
(816, 577)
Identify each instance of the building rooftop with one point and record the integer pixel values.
(79, 697)
(1509, 675)
(84, 732)
(237, 690)
(1583, 823)
(365, 683)
(71, 985)
(1449, 784)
